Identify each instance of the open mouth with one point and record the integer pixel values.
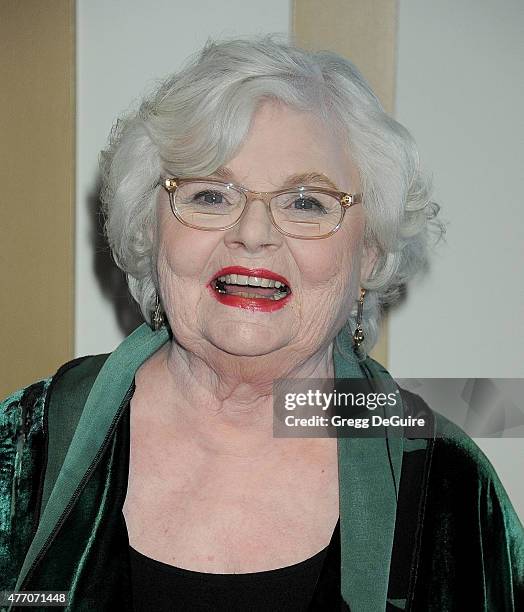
(251, 287)
(242, 287)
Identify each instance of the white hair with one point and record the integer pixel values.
(196, 120)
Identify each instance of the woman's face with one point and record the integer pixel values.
(323, 274)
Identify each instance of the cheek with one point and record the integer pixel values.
(180, 252)
(331, 265)
(181, 264)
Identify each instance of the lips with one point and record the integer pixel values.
(256, 289)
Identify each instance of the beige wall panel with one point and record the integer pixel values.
(364, 31)
(36, 199)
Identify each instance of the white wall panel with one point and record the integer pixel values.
(461, 93)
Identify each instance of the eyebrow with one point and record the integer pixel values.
(294, 180)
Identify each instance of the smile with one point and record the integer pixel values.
(260, 289)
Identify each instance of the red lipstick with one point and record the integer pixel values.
(259, 304)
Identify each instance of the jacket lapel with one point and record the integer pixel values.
(368, 498)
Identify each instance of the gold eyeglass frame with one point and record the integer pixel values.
(346, 200)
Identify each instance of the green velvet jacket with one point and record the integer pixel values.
(425, 523)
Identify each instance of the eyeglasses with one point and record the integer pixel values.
(302, 212)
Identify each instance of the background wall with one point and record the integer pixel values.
(37, 47)
(460, 92)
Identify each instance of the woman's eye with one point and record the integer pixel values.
(209, 197)
(307, 204)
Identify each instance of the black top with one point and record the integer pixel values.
(312, 584)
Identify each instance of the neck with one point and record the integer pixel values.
(225, 403)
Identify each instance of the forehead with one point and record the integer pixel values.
(283, 142)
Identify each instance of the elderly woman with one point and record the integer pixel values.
(264, 209)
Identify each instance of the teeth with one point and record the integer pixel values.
(248, 295)
(253, 281)
(244, 294)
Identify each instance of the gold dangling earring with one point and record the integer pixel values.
(158, 318)
(358, 336)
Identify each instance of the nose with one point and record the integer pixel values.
(254, 231)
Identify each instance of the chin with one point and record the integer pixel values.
(247, 340)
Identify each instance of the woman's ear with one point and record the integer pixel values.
(369, 259)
